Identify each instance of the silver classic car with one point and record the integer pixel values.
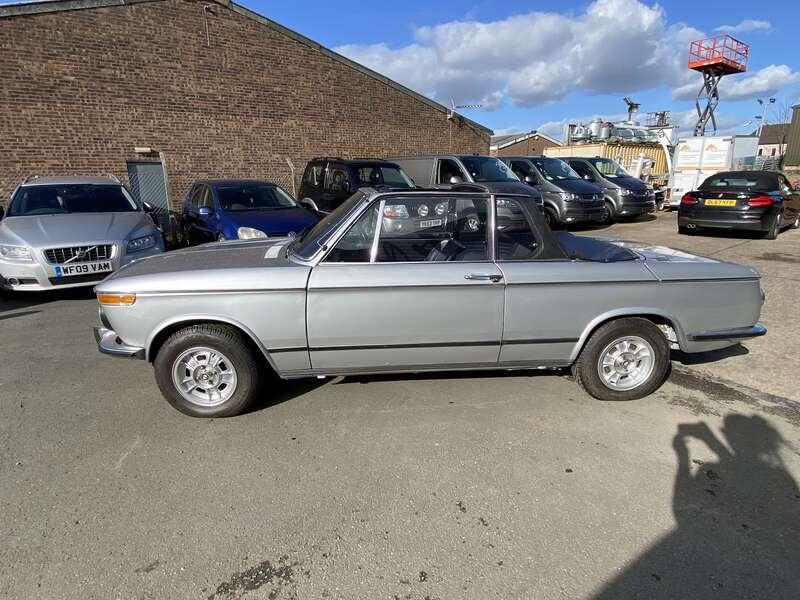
(71, 231)
(408, 281)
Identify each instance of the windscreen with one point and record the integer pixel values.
(73, 198)
(253, 196)
(554, 169)
(306, 245)
(487, 168)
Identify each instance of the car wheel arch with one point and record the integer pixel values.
(656, 316)
(162, 332)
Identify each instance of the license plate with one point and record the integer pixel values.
(431, 223)
(713, 202)
(83, 268)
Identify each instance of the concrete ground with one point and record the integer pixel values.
(482, 486)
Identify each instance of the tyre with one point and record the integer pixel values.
(774, 229)
(551, 218)
(609, 215)
(624, 359)
(208, 371)
(683, 230)
(796, 222)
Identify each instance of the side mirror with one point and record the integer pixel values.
(346, 186)
(148, 207)
(588, 178)
(455, 179)
(529, 180)
(204, 211)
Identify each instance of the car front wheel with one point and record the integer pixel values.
(207, 371)
(624, 359)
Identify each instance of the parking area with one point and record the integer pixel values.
(487, 485)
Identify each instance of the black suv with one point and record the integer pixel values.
(327, 182)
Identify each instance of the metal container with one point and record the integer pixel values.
(624, 154)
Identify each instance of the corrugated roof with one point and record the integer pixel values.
(51, 6)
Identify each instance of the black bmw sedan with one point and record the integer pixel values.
(760, 201)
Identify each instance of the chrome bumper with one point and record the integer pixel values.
(109, 343)
(739, 333)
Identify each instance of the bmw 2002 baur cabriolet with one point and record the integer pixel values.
(410, 281)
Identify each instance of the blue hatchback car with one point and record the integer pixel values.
(225, 209)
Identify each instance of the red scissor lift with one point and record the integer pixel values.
(714, 57)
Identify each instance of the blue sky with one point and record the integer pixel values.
(535, 64)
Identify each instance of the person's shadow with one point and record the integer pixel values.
(738, 523)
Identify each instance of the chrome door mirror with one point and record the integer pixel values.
(204, 211)
(455, 179)
(529, 179)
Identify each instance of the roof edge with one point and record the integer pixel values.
(524, 136)
(51, 6)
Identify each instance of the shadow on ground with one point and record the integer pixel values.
(17, 300)
(700, 358)
(737, 522)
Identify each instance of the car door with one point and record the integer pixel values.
(446, 170)
(337, 187)
(313, 184)
(549, 299)
(205, 227)
(192, 215)
(410, 285)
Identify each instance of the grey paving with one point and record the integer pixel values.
(448, 486)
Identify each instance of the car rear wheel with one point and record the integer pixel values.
(796, 222)
(207, 371)
(683, 230)
(624, 359)
(774, 228)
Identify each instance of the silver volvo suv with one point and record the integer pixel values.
(59, 232)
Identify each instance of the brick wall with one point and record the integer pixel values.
(533, 146)
(81, 89)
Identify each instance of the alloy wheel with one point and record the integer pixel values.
(204, 376)
(626, 363)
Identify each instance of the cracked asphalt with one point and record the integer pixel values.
(488, 485)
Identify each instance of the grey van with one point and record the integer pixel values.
(447, 170)
(567, 198)
(625, 195)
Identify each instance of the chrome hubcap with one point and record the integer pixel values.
(204, 376)
(626, 363)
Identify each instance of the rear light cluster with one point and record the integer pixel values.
(760, 201)
(688, 199)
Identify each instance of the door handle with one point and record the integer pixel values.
(494, 278)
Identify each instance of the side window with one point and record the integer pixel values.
(356, 244)
(447, 169)
(337, 175)
(313, 176)
(582, 169)
(522, 169)
(197, 192)
(433, 230)
(206, 199)
(516, 237)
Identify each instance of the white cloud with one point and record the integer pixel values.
(614, 46)
(745, 26)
